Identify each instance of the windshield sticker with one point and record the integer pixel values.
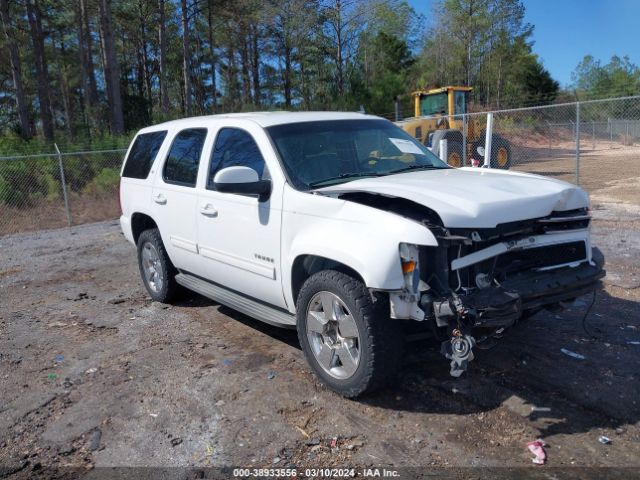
(406, 146)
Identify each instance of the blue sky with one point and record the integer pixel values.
(567, 30)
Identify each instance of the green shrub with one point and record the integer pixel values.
(79, 171)
(53, 186)
(105, 181)
(22, 182)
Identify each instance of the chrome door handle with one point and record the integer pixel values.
(160, 199)
(209, 211)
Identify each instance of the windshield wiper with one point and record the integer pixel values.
(415, 167)
(344, 176)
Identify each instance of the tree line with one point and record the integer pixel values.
(78, 69)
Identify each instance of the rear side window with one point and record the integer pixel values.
(142, 154)
(182, 162)
(234, 147)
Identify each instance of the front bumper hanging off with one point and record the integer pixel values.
(498, 307)
(538, 289)
(501, 306)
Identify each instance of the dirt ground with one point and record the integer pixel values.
(45, 214)
(94, 375)
(603, 165)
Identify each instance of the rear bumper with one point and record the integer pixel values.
(125, 225)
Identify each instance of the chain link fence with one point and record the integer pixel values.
(58, 189)
(595, 144)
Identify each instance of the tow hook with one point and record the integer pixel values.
(459, 349)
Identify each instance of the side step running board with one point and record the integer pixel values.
(236, 301)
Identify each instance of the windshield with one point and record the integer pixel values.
(322, 153)
(433, 103)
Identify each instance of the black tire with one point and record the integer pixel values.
(169, 288)
(380, 338)
(500, 153)
(455, 158)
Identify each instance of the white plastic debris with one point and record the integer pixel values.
(540, 409)
(572, 354)
(604, 440)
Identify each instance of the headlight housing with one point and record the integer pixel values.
(409, 256)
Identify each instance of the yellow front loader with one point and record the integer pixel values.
(439, 114)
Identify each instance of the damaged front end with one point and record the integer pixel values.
(478, 283)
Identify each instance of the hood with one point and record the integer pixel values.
(474, 197)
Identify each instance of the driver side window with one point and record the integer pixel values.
(234, 147)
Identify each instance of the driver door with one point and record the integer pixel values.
(238, 234)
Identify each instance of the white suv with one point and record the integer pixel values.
(345, 227)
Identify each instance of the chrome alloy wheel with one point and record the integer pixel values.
(333, 335)
(152, 267)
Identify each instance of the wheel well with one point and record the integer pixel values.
(306, 265)
(139, 223)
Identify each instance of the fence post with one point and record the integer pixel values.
(487, 142)
(464, 140)
(443, 147)
(577, 143)
(64, 185)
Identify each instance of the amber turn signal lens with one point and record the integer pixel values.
(408, 267)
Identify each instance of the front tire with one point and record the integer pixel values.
(455, 157)
(500, 152)
(157, 271)
(347, 337)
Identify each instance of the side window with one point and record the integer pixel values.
(460, 98)
(142, 154)
(182, 162)
(234, 147)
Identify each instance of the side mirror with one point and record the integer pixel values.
(241, 181)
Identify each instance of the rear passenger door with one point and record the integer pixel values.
(239, 234)
(174, 198)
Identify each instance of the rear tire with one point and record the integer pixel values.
(347, 337)
(500, 153)
(157, 271)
